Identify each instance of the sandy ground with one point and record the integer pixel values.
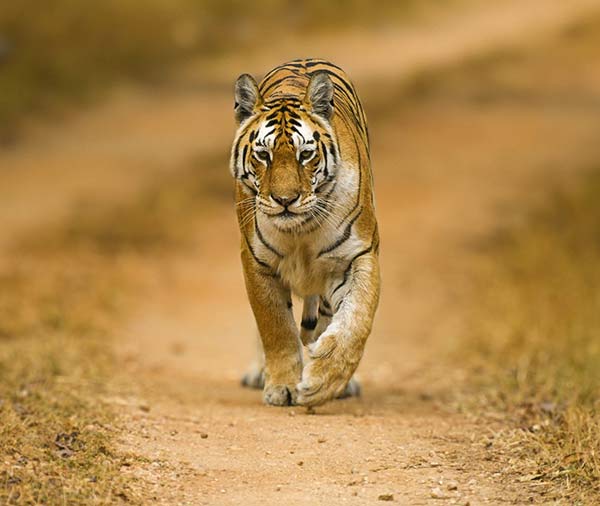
(207, 440)
(194, 335)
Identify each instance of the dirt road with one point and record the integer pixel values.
(194, 334)
(208, 441)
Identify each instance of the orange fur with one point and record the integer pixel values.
(304, 197)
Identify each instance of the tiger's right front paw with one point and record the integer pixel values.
(279, 395)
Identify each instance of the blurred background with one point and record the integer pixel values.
(119, 250)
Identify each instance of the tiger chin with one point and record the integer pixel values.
(305, 207)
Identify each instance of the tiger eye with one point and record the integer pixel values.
(263, 156)
(306, 155)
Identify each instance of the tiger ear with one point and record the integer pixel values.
(319, 95)
(247, 97)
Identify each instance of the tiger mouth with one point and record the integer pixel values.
(287, 221)
(287, 214)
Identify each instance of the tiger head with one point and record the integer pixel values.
(285, 152)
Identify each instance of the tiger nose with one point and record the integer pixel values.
(285, 200)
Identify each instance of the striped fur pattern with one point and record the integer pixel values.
(304, 200)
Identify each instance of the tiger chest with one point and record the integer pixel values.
(302, 272)
(308, 265)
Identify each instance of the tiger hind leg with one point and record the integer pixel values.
(254, 377)
(310, 320)
(353, 389)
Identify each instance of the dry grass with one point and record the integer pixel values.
(536, 346)
(61, 293)
(534, 352)
(55, 433)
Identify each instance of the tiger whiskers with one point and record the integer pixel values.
(247, 211)
(323, 215)
(246, 201)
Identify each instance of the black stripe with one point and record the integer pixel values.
(270, 74)
(349, 268)
(260, 262)
(346, 94)
(246, 180)
(244, 156)
(348, 90)
(274, 114)
(292, 64)
(324, 156)
(323, 312)
(265, 90)
(281, 99)
(264, 241)
(333, 152)
(282, 68)
(313, 63)
(309, 324)
(357, 204)
(325, 182)
(345, 236)
(236, 149)
(293, 114)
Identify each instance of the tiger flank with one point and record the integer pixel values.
(304, 201)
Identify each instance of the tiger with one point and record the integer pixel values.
(305, 207)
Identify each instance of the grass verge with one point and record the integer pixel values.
(55, 367)
(537, 341)
(62, 292)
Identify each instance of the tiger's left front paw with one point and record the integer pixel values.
(327, 372)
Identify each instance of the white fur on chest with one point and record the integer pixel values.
(301, 271)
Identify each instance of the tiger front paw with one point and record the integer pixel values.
(327, 373)
(280, 382)
(280, 395)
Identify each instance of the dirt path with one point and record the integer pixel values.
(194, 335)
(207, 440)
(405, 437)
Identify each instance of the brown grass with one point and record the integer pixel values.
(536, 346)
(55, 432)
(61, 293)
(534, 352)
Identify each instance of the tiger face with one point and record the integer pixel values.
(286, 153)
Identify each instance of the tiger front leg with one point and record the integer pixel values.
(271, 304)
(335, 355)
